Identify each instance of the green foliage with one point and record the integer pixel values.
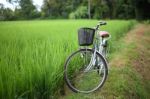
(6, 13)
(121, 32)
(124, 81)
(127, 83)
(97, 9)
(56, 8)
(81, 12)
(32, 55)
(142, 7)
(27, 10)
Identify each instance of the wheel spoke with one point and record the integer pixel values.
(82, 73)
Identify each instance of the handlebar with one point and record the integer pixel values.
(100, 23)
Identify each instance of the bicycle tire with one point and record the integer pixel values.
(72, 86)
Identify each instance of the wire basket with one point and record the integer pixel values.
(86, 36)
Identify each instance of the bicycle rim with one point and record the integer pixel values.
(79, 77)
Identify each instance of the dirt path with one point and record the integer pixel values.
(139, 39)
(142, 63)
(129, 72)
(137, 55)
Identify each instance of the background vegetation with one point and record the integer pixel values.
(77, 9)
(32, 54)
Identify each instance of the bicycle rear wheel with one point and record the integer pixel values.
(82, 74)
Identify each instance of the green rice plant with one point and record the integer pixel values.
(32, 54)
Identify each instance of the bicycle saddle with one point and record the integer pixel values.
(104, 34)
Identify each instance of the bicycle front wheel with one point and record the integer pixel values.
(82, 73)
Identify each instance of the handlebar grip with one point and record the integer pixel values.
(102, 23)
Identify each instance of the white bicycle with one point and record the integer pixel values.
(86, 69)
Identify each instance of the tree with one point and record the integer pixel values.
(53, 8)
(142, 9)
(89, 9)
(81, 12)
(122, 9)
(45, 9)
(96, 11)
(59, 9)
(1, 11)
(27, 9)
(6, 13)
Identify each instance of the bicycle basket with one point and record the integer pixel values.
(86, 36)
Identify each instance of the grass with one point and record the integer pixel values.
(130, 83)
(32, 54)
(129, 70)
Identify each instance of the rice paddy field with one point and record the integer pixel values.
(32, 54)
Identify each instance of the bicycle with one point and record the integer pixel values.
(86, 69)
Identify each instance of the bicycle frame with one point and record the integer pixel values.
(98, 47)
(99, 41)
